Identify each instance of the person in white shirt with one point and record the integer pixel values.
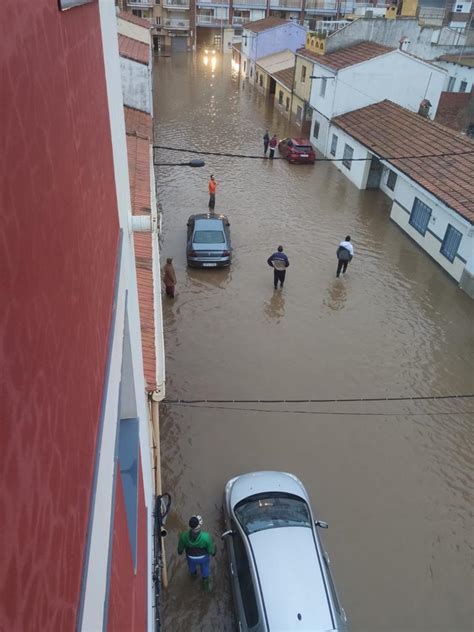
(345, 252)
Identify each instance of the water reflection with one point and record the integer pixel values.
(275, 307)
(218, 277)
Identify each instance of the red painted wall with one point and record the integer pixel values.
(58, 247)
(128, 591)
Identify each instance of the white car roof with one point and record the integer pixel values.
(291, 580)
(260, 482)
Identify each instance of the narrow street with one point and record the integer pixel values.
(392, 479)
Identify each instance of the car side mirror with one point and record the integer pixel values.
(226, 534)
(321, 524)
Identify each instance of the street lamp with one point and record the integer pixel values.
(195, 162)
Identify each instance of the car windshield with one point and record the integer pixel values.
(268, 511)
(208, 237)
(303, 148)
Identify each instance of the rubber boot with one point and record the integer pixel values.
(206, 586)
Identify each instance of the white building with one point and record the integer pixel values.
(366, 73)
(460, 69)
(433, 197)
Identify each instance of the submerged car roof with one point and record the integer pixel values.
(210, 216)
(261, 482)
(291, 579)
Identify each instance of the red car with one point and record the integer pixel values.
(297, 150)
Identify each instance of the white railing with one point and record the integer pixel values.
(330, 6)
(221, 3)
(329, 26)
(140, 4)
(237, 20)
(250, 3)
(175, 23)
(285, 4)
(176, 4)
(209, 20)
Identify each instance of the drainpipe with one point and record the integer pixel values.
(155, 398)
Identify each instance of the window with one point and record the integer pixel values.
(128, 465)
(391, 180)
(137, 12)
(322, 90)
(208, 237)
(251, 71)
(463, 86)
(459, 8)
(261, 80)
(245, 66)
(451, 241)
(271, 511)
(280, 97)
(256, 75)
(299, 114)
(347, 157)
(420, 216)
(333, 145)
(316, 129)
(451, 82)
(287, 106)
(303, 74)
(244, 576)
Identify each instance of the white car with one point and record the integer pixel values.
(279, 570)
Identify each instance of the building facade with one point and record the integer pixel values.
(78, 492)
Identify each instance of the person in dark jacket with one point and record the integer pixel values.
(266, 140)
(199, 546)
(279, 262)
(344, 253)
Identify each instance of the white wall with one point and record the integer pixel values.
(321, 143)
(359, 168)
(395, 76)
(136, 85)
(133, 31)
(405, 192)
(97, 564)
(460, 73)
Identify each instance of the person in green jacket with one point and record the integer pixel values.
(199, 546)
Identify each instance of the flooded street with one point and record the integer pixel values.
(393, 479)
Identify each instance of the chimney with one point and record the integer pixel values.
(404, 44)
(424, 108)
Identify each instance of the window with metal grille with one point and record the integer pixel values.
(452, 239)
(463, 86)
(420, 216)
(333, 145)
(303, 74)
(280, 97)
(316, 129)
(391, 180)
(451, 82)
(347, 156)
(287, 106)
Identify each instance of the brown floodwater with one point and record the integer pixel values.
(394, 479)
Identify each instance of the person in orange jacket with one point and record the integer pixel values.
(212, 192)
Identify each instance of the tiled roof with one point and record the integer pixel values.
(453, 110)
(461, 60)
(129, 17)
(345, 57)
(285, 77)
(133, 49)
(138, 150)
(263, 25)
(389, 131)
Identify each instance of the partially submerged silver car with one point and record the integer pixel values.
(279, 570)
(208, 242)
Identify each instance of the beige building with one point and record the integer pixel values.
(283, 90)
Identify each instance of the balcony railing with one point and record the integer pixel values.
(209, 20)
(140, 4)
(176, 4)
(285, 4)
(220, 3)
(253, 4)
(239, 20)
(177, 24)
(329, 26)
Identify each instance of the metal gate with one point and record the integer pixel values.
(179, 45)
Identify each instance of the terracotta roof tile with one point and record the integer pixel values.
(133, 49)
(345, 57)
(285, 77)
(453, 110)
(129, 17)
(391, 131)
(263, 25)
(139, 131)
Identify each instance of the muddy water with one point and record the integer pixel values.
(392, 479)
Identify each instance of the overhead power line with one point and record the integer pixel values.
(412, 398)
(260, 157)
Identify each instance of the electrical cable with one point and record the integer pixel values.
(260, 157)
(412, 398)
(324, 412)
